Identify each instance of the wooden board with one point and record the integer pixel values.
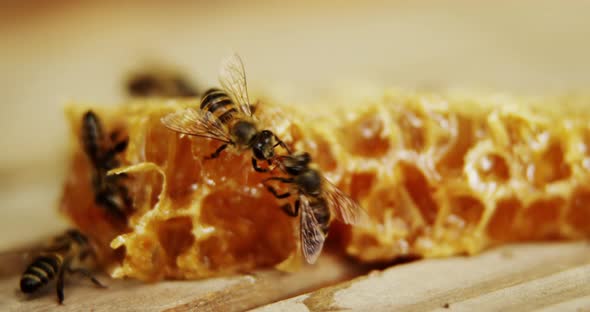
(511, 278)
(232, 293)
(553, 276)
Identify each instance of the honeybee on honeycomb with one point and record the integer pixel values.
(226, 116)
(317, 200)
(110, 192)
(438, 174)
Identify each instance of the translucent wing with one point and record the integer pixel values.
(344, 207)
(232, 77)
(312, 238)
(195, 122)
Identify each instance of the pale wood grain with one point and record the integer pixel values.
(511, 278)
(233, 293)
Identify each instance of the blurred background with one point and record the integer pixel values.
(54, 52)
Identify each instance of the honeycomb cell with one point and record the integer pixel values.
(152, 148)
(465, 212)
(187, 172)
(540, 219)
(549, 167)
(145, 189)
(420, 191)
(454, 158)
(412, 128)
(501, 225)
(175, 237)
(322, 154)
(361, 184)
(145, 255)
(579, 210)
(364, 136)
(239, 236)
(519, 130)
(391, 203)
(297, 133)
(493, 168)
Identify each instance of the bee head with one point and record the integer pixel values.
(303, 158)
(263, 145)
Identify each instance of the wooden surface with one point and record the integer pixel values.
(233, 293)
(64, 50)
(512, 278)
(552, 276)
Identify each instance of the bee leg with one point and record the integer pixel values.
(59, 285)
(280, 179)
(282, 144)
(273, 190)
(256, 167)
(86, 274)
(276, 194)
(288, 209)
(217, 152)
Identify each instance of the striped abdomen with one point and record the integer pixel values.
(40, 272)
(219, 104)
(322, 214)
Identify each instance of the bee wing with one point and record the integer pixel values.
(232, 77)
(195, 122)
(312, 238)
(345, 208)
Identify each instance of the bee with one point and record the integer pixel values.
(66, 250)
(109, 191)
(317, 202)
(226, 116)
(160, 82)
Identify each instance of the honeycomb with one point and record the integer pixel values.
(438, 174)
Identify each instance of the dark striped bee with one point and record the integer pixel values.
(317, 201)
(69, 249)
(109, 191)
(162, 82)
(226, 115)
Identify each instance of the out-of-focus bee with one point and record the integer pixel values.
(317, 201)
(160, 81)
(109, 191)
(226, 115)
(65, 255)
